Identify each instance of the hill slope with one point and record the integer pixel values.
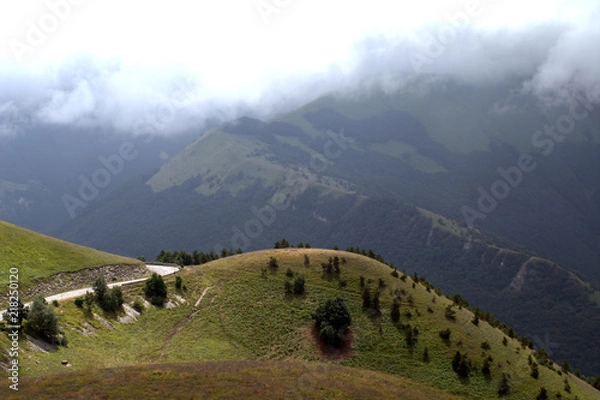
(37, 257)
(236, 309)
(228, 379)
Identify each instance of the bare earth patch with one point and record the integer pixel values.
(328, 352)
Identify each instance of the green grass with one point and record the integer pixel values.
(210, 157)
(37, 256)
(246, 316)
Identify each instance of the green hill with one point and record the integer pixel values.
(37, 257)
(236, 309)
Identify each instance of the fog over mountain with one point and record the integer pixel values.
(178, 65)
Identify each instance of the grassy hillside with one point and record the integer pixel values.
(236, 309)
(228, 379)
(38, 256)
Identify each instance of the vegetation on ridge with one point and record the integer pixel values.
(235, 310)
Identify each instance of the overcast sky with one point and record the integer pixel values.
(91, 62)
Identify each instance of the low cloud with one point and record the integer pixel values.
(548, 58)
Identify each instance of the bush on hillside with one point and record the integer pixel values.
(450, 313)
(113, 300)
(366, 297)
(156, 290)
(138, 305)
(395, 312)
(79, 302)
(299, 285)
(462, 365)
(535, 372)
(43, 322)
(486, 368)
(445, 334)
(543, 394)
(100, 289)
(504, 387)
(109, 300)
(332, 318)
(273, 263)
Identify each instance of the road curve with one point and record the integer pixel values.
(159, 269)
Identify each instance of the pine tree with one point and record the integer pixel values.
(504, 387)
(336, 264)
(395, 312)
(375, 302)
(456, 361)
(485, 369)
(299, 284)
(100, 289)
(535, 373)
(566, 368)
(273, 263)
(155, 289)
(366, 297)
(543, 395)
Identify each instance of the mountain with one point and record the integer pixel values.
(48, 174)
(234, 317)
(39, 263)
(442, 146)
(410, 173)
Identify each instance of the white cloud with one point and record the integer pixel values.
(573, 63)
(9, 119)
(114, 63)
(69, 107)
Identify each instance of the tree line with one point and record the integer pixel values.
(196, 257)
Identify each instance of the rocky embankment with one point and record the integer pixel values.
(65, 281)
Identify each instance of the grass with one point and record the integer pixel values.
(37, 256)
(227, 379)
(246, 316)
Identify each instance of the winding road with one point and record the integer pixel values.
(159, 269)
